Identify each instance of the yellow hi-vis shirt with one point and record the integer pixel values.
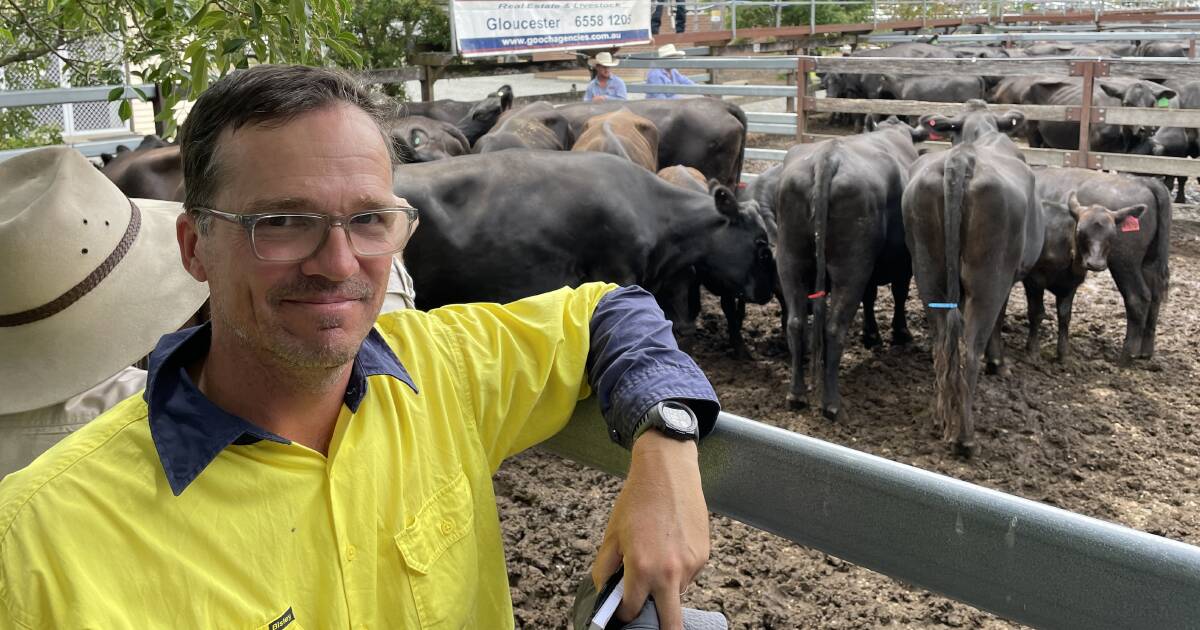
(396, 528)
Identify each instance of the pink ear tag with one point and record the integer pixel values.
(1131, 224)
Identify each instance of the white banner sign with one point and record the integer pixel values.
(486, 28)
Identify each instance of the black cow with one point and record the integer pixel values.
(868, 85)
(1171, 142)
(421, 139)
(504, 225)
(150, 141)
(148, 173)
(841, 233)
(706, 134)
(974, 228)
(1137, 256)
(1110, 93)
(473, 118)
(1162, 49)
(535, 126)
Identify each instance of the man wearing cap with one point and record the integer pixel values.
(88, 283)
(605, 85)
(298, 463)
(667, 76)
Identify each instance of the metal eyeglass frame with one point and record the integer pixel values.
(247, 222)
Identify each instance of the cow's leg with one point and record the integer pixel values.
(1150, 331)
(1035, 297)
(1063, 302)
(900, 332)
(981, 316)
(1136, 294)
(797, 335)
(870, 331)
(1034, 136)
(674, 301)
(842, 304)
(735, 313)
(995, 346)
(1182, 183)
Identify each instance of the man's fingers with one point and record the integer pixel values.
(608, 558)
(634, 598)
(670, 613)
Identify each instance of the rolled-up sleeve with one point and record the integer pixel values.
(634, 363)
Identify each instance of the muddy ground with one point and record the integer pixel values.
(1117, 444)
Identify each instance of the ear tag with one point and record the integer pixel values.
(1164, 102)
(1131, 224)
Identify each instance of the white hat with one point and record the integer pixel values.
(89, 280)
(669, 51)
(604, 59)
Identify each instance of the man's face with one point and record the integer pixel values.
(603, 72)
(313, 313)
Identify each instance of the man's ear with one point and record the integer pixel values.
(189, 245)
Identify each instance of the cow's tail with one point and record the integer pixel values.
(740, 115)
(824, 168)
(949, 377)
(1158, 262)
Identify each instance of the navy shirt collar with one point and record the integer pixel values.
(189, 431)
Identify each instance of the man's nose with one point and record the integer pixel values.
(335, 260)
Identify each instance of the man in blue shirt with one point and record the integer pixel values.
(606, 85)
(666, 76)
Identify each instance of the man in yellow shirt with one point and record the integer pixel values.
(296, 463)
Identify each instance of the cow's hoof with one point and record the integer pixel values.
(833, 413)
(998, 369)
(741, 353)
(901, 337)
(871, 341)
(966, 450)
(1125, 360)
(796, 403)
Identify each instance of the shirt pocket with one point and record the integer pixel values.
(439, 549)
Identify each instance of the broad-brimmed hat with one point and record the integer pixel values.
(89, 280)
(669, 50)
(604, 59)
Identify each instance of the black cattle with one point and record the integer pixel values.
(421, 139)
(1108, 93)
(535, 126)
(473, 118)
(150, 141)
(148, 173)
(974, 228)
(1162, 49)
(706, 134)
(839, 85)
(840, 236)
(504, 225)
(1078, 239)
(1137, 255)
(983, 52)
(1171, 142)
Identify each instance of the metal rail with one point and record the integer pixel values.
(1023, 560)
(56, 96)
(1101, 36)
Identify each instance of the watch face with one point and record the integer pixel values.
(678, 419)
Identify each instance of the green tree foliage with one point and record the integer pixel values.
(764, 16)
(389, 32)
(180, 45)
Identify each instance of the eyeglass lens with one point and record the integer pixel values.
(287, 237)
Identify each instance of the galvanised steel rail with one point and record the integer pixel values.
(1022, 560)
(58, 96)
(1101, 36)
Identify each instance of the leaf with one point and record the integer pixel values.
(297, 11)
(141, 94)
(194, 49)
(7, 35)
(116, 93)
(213, 20)
(197, 17)
(199, 70)
(125, 111)
(233, 45)
(169, 5)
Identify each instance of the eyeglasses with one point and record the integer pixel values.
(294, 236)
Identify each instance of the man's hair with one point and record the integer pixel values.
(265, 95)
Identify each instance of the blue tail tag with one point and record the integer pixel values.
(945, 305)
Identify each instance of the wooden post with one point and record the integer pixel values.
(1192, 48)
(1088, 70)
(804, 65)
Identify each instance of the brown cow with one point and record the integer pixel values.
(685, 176)
(622, 133)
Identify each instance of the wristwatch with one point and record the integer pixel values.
(674, 419)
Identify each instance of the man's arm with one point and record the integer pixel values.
(681, 79)
(589, 92)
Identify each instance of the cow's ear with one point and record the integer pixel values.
(1073, 206)
(506, 97)
(106, 158)
(1119, 216)
(940, 123)
(1009, 121)
(1161, 92)
(1114, 90)
(726, 201)
(121, 149)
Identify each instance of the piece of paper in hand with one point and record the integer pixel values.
(1131, 224)
(609, 608)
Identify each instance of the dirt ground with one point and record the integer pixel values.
(1117, 444)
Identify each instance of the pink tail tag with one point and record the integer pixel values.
(1131, 224)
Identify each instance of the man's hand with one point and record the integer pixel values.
(658, 528)
(598, 98)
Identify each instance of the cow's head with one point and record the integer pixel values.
(484, 114)
(917, 134)
(739, 261)
(1139, 94)
(421, 139)
(973, 123)
(1095, 229)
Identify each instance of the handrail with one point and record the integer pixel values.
(1023, 560)
(58, 96)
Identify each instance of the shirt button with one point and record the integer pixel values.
(447, 526)
(351, 553)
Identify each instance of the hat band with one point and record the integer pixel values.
(93, 279)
